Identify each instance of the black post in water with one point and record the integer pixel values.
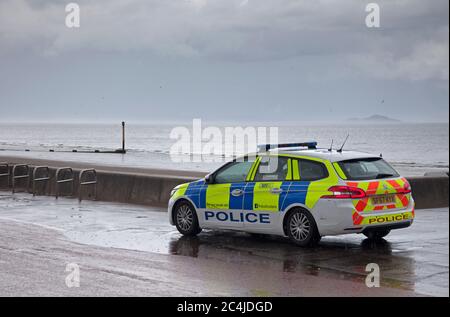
(123, 136)
(122, 150)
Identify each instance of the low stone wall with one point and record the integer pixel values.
(430, 192)
(120, 187)
(154, 190)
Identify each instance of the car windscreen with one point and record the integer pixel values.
(367, 168)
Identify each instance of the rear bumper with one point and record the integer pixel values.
(339, 217)
(399, 225)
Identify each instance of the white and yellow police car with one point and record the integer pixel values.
(299, 191)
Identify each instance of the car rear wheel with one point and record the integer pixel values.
(186, 219)
(376, 234)
(302, 229)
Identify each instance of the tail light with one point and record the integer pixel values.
(405, 190)
(345, 192)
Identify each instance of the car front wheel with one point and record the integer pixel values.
(186, 219)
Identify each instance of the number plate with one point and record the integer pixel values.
(383, 200)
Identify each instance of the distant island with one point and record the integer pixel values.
(376, 118)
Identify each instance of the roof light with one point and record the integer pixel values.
(265, 147)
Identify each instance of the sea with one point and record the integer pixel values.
(412, 148)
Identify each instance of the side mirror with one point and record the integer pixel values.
(209, 179)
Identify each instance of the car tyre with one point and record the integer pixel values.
(186, 220)
(376, 234)
(302, 229)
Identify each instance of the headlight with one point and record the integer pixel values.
(173, 192)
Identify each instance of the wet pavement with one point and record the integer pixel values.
(413, 261)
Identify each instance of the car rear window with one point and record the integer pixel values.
(312, 171)
(272, 169)
(367, 168)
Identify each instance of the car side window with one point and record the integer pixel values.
(234, 172)
(311, 170)
(272, 168)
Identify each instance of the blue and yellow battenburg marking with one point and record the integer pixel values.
(257, 197)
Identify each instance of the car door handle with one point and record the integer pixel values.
(276, 190)
(237, 192)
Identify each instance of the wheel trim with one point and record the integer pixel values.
(185, 217)
(300, 227)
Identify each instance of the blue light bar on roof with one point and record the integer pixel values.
(265, 147)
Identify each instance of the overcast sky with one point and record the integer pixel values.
(267, 60)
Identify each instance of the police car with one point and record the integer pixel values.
(299, 191)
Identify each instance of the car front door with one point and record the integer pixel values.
(225, 195)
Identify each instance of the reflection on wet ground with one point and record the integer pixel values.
(343, 259)
(415, 258)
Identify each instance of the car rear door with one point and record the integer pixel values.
(265, 193)
(309, 182)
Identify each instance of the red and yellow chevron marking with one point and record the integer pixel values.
(380, 187)
(373, 188)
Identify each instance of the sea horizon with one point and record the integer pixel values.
(412, 148)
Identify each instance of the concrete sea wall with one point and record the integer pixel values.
(154, 188)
